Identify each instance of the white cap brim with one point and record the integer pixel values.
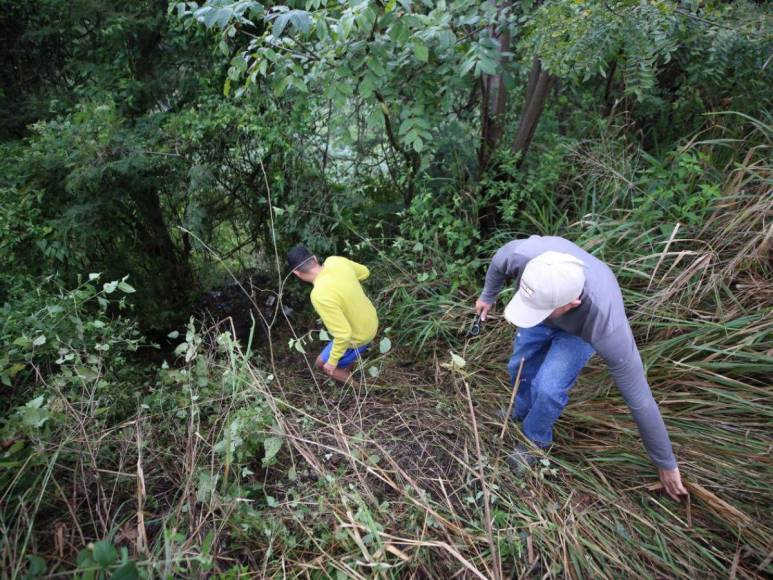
(524, 315)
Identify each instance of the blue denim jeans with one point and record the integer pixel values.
(552, 361)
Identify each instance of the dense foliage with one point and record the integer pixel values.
(154, 152)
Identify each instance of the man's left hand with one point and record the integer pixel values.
(672, 482)
(329, 369)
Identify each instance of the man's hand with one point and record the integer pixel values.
(672, 482)
(329, 369)
(482, 308)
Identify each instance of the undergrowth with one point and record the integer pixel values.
(227, 463)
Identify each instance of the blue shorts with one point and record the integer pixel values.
(349, 357)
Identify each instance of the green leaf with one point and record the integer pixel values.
(39, 340)
(271, 446)
(206, 487)
(367, 87)
(373, 371)
(174, 334)
(37, 566)
(87, 373)
(15, 369)
(420, 51)
(126, 288)
(385, 345)
(126, 572)
(457, 361)
(94, 276)
(280, 24)
(109, 287)
(104, 553)
(323, 335)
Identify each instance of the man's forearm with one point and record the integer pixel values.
(621, 355)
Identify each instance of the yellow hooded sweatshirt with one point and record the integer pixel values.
(340, 301)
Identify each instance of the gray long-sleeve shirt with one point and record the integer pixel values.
(599, 320)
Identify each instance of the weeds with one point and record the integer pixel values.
(232, 466)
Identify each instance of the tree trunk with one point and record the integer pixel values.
(537, 90)
(608, 87)
(174, 275)
(412, 159)
(493, 101)
(540, 82)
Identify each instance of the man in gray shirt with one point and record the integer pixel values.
(568, 306)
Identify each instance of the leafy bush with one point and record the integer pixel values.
(678, 189)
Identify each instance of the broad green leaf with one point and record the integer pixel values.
(280, 23)
(385, 345)
(271, 446)
(109, 287)
(39, 340)
(373, 371)
(420, 51)
(104, 553)
(87, 373)
(323, 335)
(128, 571)
(126, 288)
(457, 361)
(206, 487)
(37, 566)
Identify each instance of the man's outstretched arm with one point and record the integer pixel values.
(618, 349)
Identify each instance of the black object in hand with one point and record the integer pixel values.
(475, 328)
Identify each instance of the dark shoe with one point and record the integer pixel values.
(521, 459)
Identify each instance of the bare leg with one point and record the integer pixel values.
(341, 374)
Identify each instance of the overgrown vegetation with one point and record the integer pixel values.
(156, 159)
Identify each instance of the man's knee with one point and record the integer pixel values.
(550, 390)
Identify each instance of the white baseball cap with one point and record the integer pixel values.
(549, 281)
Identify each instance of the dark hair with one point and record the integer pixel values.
(299, 258)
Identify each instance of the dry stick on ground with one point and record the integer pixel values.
(486, 496)
(142, 538)
(516, 384)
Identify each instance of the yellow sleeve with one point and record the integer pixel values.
(360, 271)
(334, 320)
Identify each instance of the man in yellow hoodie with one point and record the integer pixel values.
(341, 303)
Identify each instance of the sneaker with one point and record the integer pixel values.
(521, 459)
